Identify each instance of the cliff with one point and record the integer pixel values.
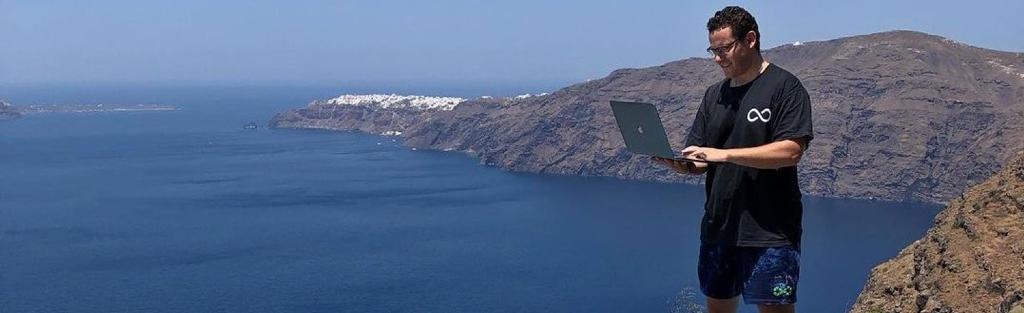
(898, 116)
(971, 260)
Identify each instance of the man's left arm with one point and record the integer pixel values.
(778, 154)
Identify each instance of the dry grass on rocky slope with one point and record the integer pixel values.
(971, 260)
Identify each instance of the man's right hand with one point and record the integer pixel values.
(682, 167)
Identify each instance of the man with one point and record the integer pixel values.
(757, 122)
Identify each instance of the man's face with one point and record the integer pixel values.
(734, 56)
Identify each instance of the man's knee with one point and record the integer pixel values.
(722, 305)
(776, 308)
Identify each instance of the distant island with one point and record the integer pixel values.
(9, 111)
(81, 108)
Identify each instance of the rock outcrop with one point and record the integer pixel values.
(971, 260)
(898, 115)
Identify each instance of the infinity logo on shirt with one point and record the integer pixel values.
(763, 115)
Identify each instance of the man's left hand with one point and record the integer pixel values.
(707, 154)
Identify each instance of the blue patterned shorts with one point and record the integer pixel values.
(762, 275)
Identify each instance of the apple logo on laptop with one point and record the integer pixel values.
(640, 129)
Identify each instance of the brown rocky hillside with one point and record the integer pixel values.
(971, 260)
(898, 115)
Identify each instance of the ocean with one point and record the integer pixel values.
(186, 211)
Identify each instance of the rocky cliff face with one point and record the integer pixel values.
(971, 260)
(898, 116)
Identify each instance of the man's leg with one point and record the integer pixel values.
(719, 277)
(723, 305)
(776, 308)
(773, 276)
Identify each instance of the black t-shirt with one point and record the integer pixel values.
(748, 206)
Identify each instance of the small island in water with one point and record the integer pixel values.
(79, 108)
(9, 111)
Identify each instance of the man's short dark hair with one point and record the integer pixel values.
(739, 20)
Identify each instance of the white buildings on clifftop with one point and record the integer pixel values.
(398, 101)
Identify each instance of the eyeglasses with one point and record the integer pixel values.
(720, 51)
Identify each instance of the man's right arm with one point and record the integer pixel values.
(683, 167)
(696, 137)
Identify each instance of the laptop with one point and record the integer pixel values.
(642, 130)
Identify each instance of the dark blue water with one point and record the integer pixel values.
(186, 212)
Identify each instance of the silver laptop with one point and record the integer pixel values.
(642, 131)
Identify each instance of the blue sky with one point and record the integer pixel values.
(425, 42)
